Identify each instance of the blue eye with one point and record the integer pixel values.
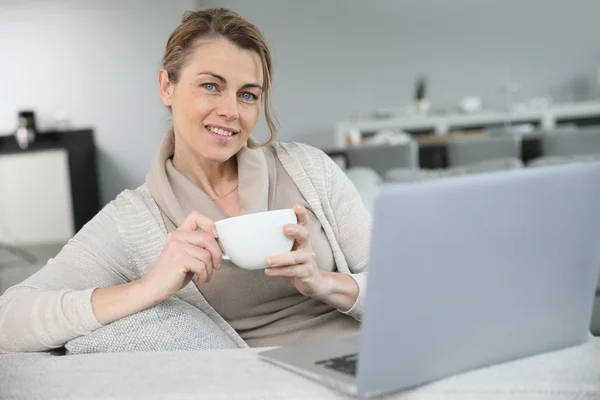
(209, 86)
(247, 96)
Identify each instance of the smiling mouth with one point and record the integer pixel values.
(221, 131)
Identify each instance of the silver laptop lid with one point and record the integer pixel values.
(471, 271)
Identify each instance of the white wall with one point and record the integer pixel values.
(96, 61)
(335, 58)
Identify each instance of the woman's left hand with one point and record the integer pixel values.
(300, 264)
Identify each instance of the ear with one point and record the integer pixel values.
(166, 87)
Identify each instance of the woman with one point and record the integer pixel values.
(149, 243)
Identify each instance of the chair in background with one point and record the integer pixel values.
(582, 142)
(473, 150)
(382, 158)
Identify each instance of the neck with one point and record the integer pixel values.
(213, 177)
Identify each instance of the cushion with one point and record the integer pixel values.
(170, 325)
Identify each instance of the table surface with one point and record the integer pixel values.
(572, 373)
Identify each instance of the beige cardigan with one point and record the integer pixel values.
(122, 243)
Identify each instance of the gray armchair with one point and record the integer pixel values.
(382, 158)
(473, 150)
(582, 142)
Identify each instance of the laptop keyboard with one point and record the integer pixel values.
(345, 364)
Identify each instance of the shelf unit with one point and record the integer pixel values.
(583, 113)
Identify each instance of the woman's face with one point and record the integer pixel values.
(216, 102)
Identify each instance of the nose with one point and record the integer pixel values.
(228, 107)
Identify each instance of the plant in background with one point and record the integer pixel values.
(421, 103)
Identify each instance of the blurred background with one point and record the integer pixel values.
(391, 90)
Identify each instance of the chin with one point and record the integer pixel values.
(209, 151)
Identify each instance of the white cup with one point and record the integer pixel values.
(248, 240)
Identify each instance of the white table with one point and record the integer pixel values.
(238, 374)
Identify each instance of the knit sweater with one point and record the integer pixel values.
(123, 241)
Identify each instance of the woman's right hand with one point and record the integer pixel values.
(188, 253)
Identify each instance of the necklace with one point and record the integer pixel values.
(225, 195)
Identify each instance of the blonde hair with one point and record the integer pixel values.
(222, 23)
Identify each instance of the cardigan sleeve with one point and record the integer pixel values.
(54, 305)
(353, 222)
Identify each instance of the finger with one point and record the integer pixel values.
(299, 233)
(204, 241)
(199, 269)
(196, 220)
(291, 258)
(301, 214)
(301, 271)
(203, 255)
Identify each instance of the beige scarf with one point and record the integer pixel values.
(176, 196)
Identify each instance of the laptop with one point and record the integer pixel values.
(467, 272)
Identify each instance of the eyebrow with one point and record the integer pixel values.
(224, 81)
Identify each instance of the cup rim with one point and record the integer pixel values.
(233, 219)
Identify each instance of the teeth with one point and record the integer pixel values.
(220, 131)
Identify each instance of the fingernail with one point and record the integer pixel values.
(269, 261)
(290, 229)
(267, 271)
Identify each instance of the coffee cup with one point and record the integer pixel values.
(248, 240)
